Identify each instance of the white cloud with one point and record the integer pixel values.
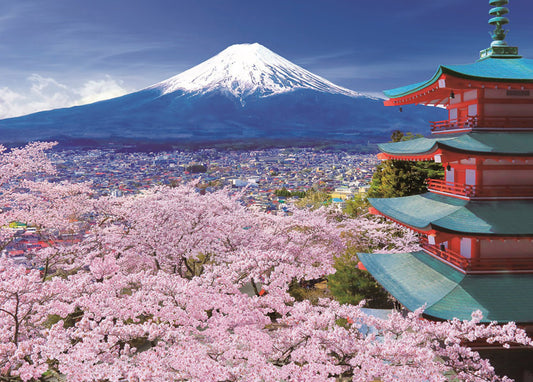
(46, 93)
(40, 83)
(94, 91)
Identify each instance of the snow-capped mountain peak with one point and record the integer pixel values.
(197, 109)
(246, 69)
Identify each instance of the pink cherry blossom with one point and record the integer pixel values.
(172, 285)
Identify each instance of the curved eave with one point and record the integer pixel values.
(486, 144)
(411, 89)
(416, 279)
(512, 70)
(414, 150)
(420, 229)
(433, 212)
(410, 157)
(485, 73)
(491, 143)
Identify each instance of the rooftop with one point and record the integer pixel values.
(509, 143)
(416, 279)
(470, 217)
(498, 63)
(490, 70)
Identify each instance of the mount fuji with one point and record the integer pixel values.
(246, 70)
(246, 94)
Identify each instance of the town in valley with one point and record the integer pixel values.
(263, 177)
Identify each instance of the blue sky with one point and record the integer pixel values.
(58, 53)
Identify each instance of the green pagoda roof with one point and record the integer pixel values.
(416, 279)
(490, 69)
(509, 143)
(475, 217)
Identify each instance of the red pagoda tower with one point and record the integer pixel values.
(476, 225)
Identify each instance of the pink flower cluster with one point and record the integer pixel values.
(172, 285)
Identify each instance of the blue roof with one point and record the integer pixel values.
(496, 69)
(490, 69)
(416, 279)
(433, 211)
(508, 143)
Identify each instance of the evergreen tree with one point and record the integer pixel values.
(314, 199)
(356, 207)
(283, 192)
(289, 194)
(350, 285)
(395, 178)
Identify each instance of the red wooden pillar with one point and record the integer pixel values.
(480, 106)
(475, 253)
(479, 173)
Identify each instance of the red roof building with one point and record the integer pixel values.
(476, 225)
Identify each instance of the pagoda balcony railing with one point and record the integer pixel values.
(492, 264)
(442, 186)
(445, 254)
(472, 191)
(473, 122)
(514, 122)
(467, 123)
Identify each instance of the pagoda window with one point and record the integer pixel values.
(466, 247)
(470, 177)
(453, 114)
(456, 99)
(472, 110)
(450, 175)
(470, 95)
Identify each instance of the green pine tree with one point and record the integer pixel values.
(350, 285)
(395, 178)
(356, 207)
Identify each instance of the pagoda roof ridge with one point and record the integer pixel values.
(489, 69)
(448, 293)
(430, 211)
(496, 143)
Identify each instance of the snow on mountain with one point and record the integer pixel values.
(246, 94)
(245, 69)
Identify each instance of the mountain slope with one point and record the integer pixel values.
(244, 93)
(246, 69)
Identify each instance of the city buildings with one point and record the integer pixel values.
(255, 174)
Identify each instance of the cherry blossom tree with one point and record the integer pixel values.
(54, 210)
(23, 316)
(173, 285)
(15, 167)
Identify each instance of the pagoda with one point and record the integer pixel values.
(475, 225)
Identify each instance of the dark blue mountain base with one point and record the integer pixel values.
(214, 118)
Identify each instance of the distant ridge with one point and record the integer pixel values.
(245, 94)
